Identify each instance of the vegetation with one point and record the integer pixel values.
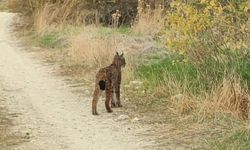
(203, 76)
(236, 140)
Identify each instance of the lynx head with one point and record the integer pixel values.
(119, 60)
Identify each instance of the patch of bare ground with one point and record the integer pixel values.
(8, 138)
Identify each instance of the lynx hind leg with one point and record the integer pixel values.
(108, 98)
(95, 100)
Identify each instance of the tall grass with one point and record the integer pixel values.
(149, 21)
(44, 13)
(210, 87)
(96, 52)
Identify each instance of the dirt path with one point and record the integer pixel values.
(50, 115)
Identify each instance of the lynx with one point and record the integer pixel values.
(108, 79)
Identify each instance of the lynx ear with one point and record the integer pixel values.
(121, 54)
(117, 53)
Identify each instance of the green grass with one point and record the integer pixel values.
(195, 78)
(243, 69)
(70, 30)
(239, 140)
(110, 31)
(57, 37)
(48, 40)
(160, 72)
(51, 40)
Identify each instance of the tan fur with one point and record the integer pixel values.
(111, 77)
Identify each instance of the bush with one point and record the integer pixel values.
(201, 29)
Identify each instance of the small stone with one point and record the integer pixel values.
(135, 120)
(123, 117)
(86, 92)
(136, 82)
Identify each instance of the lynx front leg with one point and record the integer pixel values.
(117, 93)
(113, 98)
(108, 98)
(95, 100)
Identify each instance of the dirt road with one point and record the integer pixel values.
(50, 115)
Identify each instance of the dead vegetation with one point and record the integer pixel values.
(149, 20)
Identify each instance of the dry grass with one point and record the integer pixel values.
(97, 52)
(43, 18)
(230, 97)
(44, 13)
(191, 121)
(89, 48)
(227, 99)
(149, 21)
(69, 12)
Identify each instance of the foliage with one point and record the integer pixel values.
(201, 28)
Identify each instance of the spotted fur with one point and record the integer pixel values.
(108, 79)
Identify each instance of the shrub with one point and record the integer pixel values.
(202, 28)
